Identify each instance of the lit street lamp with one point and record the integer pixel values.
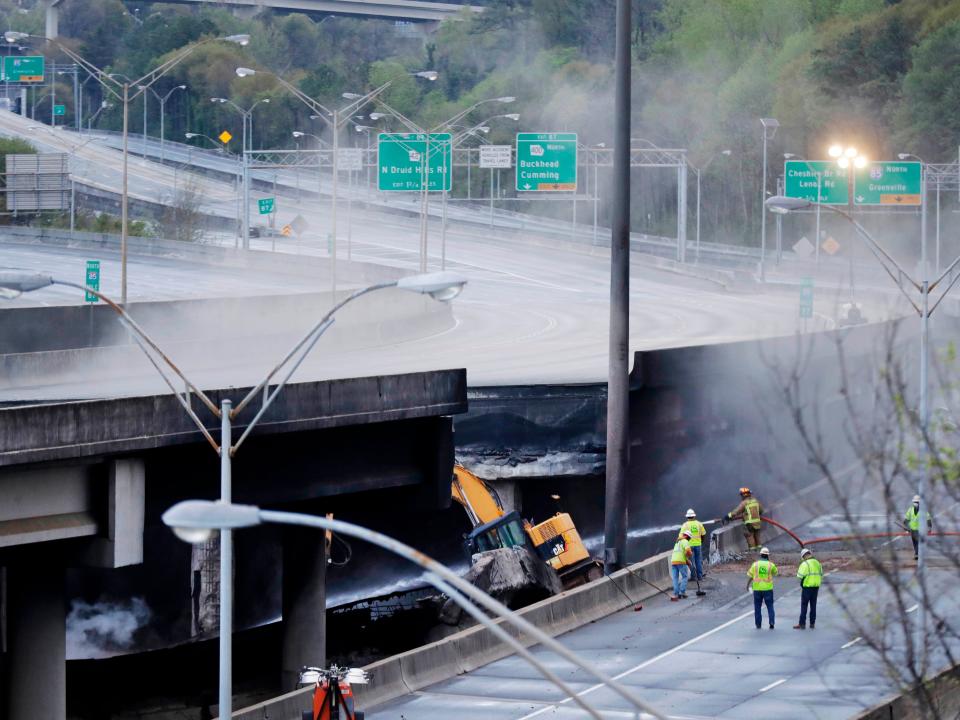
(194, 520)
(440, 286)
(121, 91)
(924, 286)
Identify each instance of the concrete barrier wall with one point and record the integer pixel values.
(472, 648)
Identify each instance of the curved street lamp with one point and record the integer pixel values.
(194, 520)
(440, 286)
(121, 91)
(335, 119)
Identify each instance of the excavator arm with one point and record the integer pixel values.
(478, 499)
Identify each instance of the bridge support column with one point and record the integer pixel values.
(52, 28)
(304, 602)
(37, 651)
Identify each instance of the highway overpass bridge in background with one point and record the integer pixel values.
(411, 10)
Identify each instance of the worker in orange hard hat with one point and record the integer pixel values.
(750, 510)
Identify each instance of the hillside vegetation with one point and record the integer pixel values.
(879, 74)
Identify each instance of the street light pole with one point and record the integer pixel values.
(770, 124)
(923, 309)
(616, 496)
(440, 286)
(192, 520)
(122, 92)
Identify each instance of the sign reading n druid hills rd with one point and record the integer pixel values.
(546, 162)
(888, 183)
(401, 163)
(801, 181)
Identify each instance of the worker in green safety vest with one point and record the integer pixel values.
(750, 510)
(697, 534)
(760, 580)
(680, 566)
(810, 573)
(912, 519)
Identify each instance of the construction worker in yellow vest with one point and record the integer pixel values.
(760, 579)
(680, 565)
(750, 510)
(912, 519)
(697, 535)
(810, 573)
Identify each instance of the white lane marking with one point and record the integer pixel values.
(641, 666)
(772, 685)
(911, 609)
(852, 642)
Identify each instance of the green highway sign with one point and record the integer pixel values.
(546, 162)
(59, 109)
(27, 68)
(92, 279)
(806, 297)
(801, 181)
(403, 159)
(888, 183)
(265, 205)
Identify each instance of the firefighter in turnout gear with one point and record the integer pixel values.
(697, 534)
(750, 510)
(760, 580)
(912, 520)
(810, 574)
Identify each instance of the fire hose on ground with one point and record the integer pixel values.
(868, 536)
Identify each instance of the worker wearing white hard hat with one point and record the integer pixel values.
(697, 535)
(911, 519)
(810, 573)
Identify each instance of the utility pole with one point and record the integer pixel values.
(618, 381)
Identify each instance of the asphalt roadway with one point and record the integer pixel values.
(697, 658)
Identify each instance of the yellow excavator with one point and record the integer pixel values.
(556, 541)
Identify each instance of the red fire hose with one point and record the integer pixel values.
(838, 538)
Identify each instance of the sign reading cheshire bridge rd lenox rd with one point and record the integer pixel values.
(400, 162)
(546, 162)
(888, 183)
(801, 181)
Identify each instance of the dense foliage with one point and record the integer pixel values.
(881, 74)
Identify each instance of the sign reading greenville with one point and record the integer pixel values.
(801, 181)
(402, 164)
(546, 161)
(888, 183)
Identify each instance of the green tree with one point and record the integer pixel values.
(929, 117)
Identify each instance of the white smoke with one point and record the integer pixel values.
(103, 629)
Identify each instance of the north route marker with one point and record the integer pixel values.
(92, 280)
(546, 162)
(889, 183)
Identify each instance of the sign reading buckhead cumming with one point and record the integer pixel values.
(546, 162)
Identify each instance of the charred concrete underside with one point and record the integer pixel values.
(83, 485)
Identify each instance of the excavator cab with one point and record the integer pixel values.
(502, 532)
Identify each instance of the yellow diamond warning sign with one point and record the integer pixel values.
(830, 246)
(225, 137)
